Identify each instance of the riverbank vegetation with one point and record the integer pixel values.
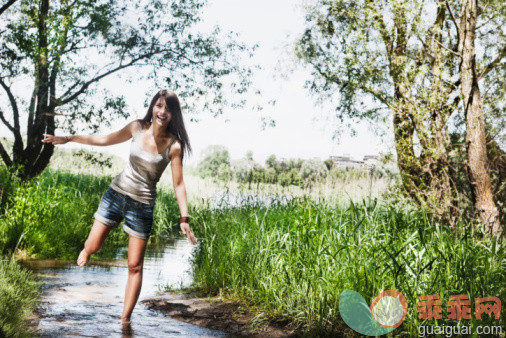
(19, 292)
(51, 216)
(293, 260)
(290, 256)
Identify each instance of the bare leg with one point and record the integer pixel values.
(136, 250)
(93, 244)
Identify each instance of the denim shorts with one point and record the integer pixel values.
(115, 206)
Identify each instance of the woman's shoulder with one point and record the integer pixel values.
(136, 126)
(139, 123)
(176, 147)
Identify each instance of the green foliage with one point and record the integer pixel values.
(284, 179)
(19, 291)
(224, 173)
(298, 172)
(313, 170)
(212, 158)
(51, 216)
(329, 163)
(271, 162)
(94, 159)
(8, 182)
(147, 40)
(395, 61)
(242, 170)
(68, 47)
(293, 261)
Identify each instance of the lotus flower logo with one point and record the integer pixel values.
(387, 311)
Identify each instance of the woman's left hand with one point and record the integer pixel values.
(54, 139)
(185, 227)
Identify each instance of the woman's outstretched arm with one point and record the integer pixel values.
(119, 136)
(179, 188)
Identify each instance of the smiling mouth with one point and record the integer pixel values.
(162, 119)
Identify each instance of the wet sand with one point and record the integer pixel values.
(217, 314)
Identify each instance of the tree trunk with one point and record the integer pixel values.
(426, 178)
(477, 160)
(36, 155)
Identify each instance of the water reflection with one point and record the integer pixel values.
(88, 301)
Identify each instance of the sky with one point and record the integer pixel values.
(303, 129)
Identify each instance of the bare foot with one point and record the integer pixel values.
(83, 258)
(125, 320)
(126, 329)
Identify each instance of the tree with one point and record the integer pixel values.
(477, 160)
(224, 172)
(284, 179)
(313, 170)
(258, 174)
(271, 162)
(329, 163)
(397, 60)
(212, 158)
(67, 47)
(271, 176)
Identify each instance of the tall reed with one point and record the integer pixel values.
(294, 260)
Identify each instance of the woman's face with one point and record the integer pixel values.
(161, 115)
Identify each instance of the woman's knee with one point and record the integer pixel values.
(135, 266)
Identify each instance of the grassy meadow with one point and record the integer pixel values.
(290, 260)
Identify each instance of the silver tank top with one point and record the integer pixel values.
(142, 172)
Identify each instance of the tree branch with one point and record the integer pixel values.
(6, 6)
(15, 129)
(493, 64)
(453, 18)
(5, 156)
(56, 69)
(31, 109)
(61, 101)
(414, 27)
(2, 117)
(387, 39)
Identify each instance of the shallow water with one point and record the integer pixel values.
(88, 301)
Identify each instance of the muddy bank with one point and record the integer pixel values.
(217, 314)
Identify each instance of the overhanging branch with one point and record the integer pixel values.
(15, 129)
(9, 126)
(493, 64)
(6, 6)
(61, 101)
(5, 156)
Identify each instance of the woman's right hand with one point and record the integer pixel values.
(185, 227)
(54, 139)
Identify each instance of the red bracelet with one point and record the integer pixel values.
(184, 219)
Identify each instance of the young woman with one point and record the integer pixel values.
(159, 138)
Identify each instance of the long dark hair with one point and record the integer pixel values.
(176, 124)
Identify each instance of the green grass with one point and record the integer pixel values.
(19, 291)
(294, 261)
(51, 216)
(290, 261)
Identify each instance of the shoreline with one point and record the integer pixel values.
(214, 312)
